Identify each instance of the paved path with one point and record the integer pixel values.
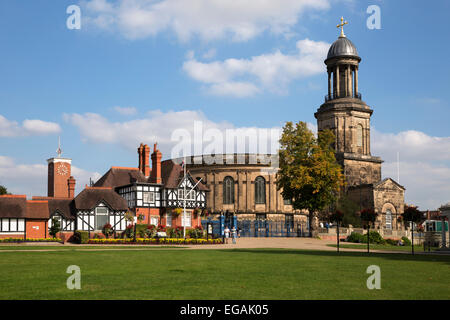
(242, 243)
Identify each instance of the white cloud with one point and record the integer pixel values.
(424, 165)
(239, 20)
(125, 111)
(31, 179)
(272, 72)
(10, 128)
(211, 53)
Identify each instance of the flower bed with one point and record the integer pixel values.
(20, 240)
(178, 241)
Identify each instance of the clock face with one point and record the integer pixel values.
(62, 169)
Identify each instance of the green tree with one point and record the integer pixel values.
(411, 216)
(308, 172)
(55, 228)
(3, 190)
(350, 210)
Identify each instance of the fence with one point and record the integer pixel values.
(258, 228)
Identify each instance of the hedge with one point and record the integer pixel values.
(81, 237)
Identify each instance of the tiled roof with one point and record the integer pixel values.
(90, 197)
(37, 209)
(65, 206)
(13, 206)
(119, 176)
(172, 174)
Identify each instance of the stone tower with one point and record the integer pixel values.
(347, 115)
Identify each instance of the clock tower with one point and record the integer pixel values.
(60, 182)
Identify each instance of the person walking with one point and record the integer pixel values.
(234, 234)
(227, 234)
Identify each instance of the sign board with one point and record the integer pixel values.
(161, 234)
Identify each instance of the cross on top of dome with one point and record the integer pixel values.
(341, 25)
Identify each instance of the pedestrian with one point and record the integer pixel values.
(227, 234)
(327, 226)
(234, 234)
(321, 225)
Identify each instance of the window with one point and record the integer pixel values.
(261, 216)
(149, 197)
(154, 221)
(388, 219)
(169, 219)
(186, 219)
(101, 217)
(189, 195)
(289, 221)
(228, 190)
(260, 190)
(359, 136)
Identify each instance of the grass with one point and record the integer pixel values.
(221, 274)
(372, 246)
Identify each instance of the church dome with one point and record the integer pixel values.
(342, 47)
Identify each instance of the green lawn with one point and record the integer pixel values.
(221, 274)
(386, 247)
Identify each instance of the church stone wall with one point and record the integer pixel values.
(244, 205)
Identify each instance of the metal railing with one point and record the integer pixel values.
(332, 96)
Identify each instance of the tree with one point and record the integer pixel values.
(412, 215)
(368, 217)
(3, 190)
(55, 228)
(350, 210)
(308, 171)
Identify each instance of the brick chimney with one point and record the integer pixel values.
(141, 157)
(71, 183)
(144, 159)
(156, 165)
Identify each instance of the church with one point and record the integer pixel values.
(156, 193)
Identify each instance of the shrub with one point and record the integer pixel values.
(406, 241)
(141, 230)
(391, 242)
(81, 237)
(170, 232)
(375, 237)
(55, 228)
(107, 230)
(356, 238)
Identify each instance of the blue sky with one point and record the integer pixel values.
(138, 70)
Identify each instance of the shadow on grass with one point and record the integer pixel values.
(391, 256)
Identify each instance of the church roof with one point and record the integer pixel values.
(342, 47)
(380, 183)
(90, 197)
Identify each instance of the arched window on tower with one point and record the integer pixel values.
(359, 135)
(260, 190)
(388, 219)
(228, 190)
